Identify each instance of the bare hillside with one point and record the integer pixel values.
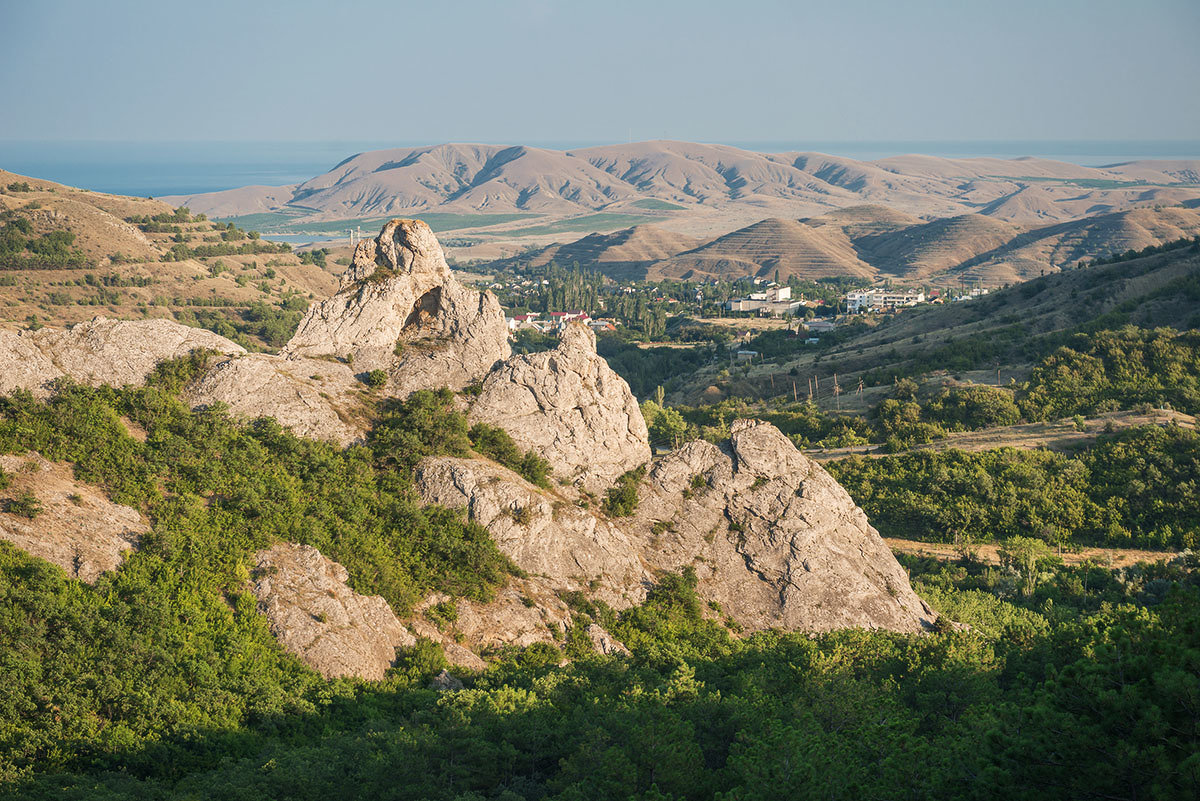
(784, 247)
(694, 180)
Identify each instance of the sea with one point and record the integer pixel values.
(154, 169)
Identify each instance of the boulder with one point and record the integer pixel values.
(569, 406)
(78, 528)
(400, 309)
(101, 351)
(773, 538)
(317, 617)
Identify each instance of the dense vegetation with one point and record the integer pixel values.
(23, 249)
(1086, 687)
(1139, 487)
(255, 326)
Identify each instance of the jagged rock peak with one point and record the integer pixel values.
(401, 310)
(570, 407)
(405, 247)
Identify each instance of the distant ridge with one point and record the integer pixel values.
(873, 241)
(703, 178)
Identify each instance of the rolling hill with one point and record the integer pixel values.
(692, 181)
(920, 251)
(873, 241)
(70, 255)
(785, 247)
(624, 254)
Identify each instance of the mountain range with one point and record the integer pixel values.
(871, 242)
(683, 180)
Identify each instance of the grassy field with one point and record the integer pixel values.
(283, 223)
(604, 221)
(656, 205)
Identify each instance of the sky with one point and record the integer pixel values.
(536, 71)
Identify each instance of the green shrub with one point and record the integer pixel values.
(621, 499)
(25, 504)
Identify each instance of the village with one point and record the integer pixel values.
(612, 306)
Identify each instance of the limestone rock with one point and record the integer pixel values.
(548, 537)
(604, 642)
(445, 682)
(400, 309)
(317, 617)
(569, 406)
(312, 397)
(101, 351)
(773, 538)
(78, 529)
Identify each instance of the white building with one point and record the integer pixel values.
(871, 299)
(776, 301)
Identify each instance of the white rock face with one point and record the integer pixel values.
(312, 397)
(78, 529)
(772, 537)
(550, 538)
(401, 310)
(569, 406)
(102, 351)
(317, 617)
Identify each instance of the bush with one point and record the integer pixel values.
(24, 505)
(495, 443)
(621, 499)
(377, 378)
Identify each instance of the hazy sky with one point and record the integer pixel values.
(607, 70)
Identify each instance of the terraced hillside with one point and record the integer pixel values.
(785, 247)
(934, 247)
(69, 255)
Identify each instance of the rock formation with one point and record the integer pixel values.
(102, 351)
(400, 309)
(549, 537)
(77, 529)
(569, 406)
(772, 537)
(312, 397)
(317, 617)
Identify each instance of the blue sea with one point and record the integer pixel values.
(152, 169)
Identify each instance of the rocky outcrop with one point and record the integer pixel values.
(524, 611)
(569, 406)
(317, 617)
(78, 528)
(549, 537)
(312, 397)
(102, 351)
(774, 540)
(604, 642)
(400, 309)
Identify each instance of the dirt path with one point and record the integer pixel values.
(1061, 435)
(1108, 557)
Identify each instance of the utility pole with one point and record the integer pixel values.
(837, 392)
(795, 395)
